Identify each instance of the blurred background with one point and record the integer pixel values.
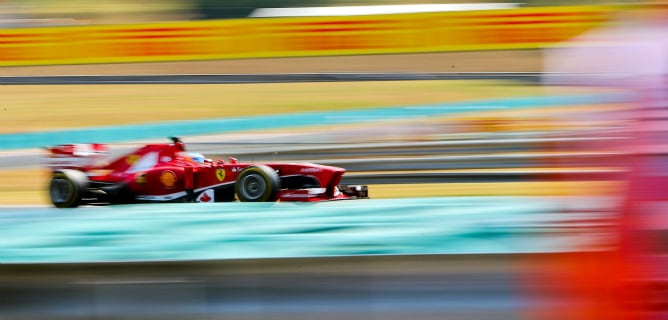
(515, 154)
(74, 11)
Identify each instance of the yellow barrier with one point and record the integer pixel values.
(286, 37)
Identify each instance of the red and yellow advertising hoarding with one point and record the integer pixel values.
(524, 28)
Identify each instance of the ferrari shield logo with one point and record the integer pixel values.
(220, 174)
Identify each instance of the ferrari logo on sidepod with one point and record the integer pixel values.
(168, 179)
(220, 174)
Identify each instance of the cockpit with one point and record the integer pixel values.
(193, 156)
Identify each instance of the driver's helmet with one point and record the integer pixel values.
(193, 156)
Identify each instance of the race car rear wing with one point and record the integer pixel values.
(75, 156)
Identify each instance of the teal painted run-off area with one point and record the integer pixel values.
(134, 132)
(195, 231)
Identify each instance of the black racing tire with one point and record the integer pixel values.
(257, 183)
(66, 188)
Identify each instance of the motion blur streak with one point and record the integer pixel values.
(631, 281)
(375, 10)
(275, 261)
(382, 287)
(299, 36)
(587, 257)
(172, 232)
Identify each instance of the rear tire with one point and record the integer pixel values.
(258, 183)
(66, 188)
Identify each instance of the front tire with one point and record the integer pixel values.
(258, 183)
(66, 188)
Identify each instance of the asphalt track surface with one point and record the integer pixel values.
(380, 287)
(476, 160)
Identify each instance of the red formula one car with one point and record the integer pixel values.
(167, 173)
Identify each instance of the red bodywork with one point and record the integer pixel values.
(165, 173)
